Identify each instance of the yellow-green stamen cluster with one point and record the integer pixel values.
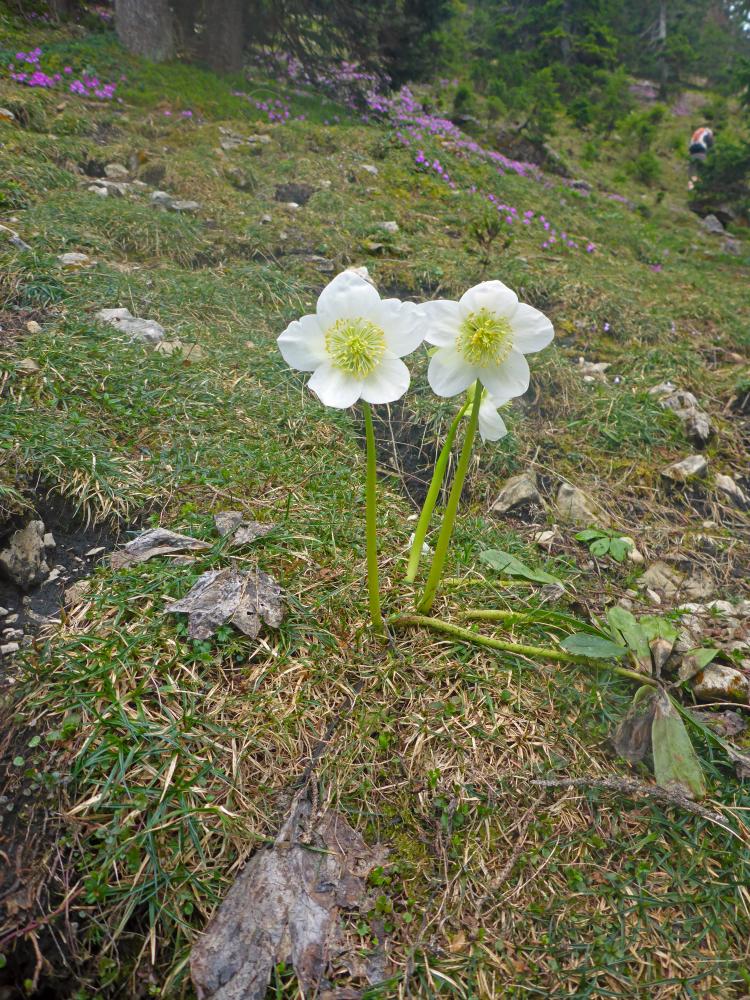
(355, 346)
(485, 339)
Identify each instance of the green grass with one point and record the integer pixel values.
(173, 759)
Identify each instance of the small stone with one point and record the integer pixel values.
(262, 139)
(662, 577)
(49, 540)
(390, 226)
(4, 612)
(720, 607)
(23, 560)
(75, 593)
(727, 485)
(27, 366)
(266, 219)
(239, 178)
(545, 539)
(698, 426)
(11, 619)
(712, 225)
(718, 682)
(291, 206)
(190, 352)
(73, 261)
(653, 596)
(370, 169)
(184, 206)
(662, 389)
(6, 115)
(146, 330)
(516, 492)
(96, 551)
(54, 575)
(575, 507)
(9, 647)
(626, 603)
(592, 370)
(116, 171)
(692, 467)
(98, 190)
(161, 198)
(33, 327)
(13, 633)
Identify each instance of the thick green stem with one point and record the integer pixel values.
(431, 499)
(533, 652)
(446, 528)
(372, 540)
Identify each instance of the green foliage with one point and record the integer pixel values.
(639, 128)
(605, 543)
(645, 168)
(725, 174)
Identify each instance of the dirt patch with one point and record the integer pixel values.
(299, 193)
(13, 324)
(78, 548)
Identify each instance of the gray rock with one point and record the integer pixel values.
(391, 226)
(49, 540)
(146, 330)
(23, 560)
(574, 507)
(9, 647)
(262, 139)
(161, 198)
(98, 189)
(370, 169)
(670, 581)
(116, 171)
(72, 261)
(75, 593)
(516, 492)
(184, 206)
(696, 421)
(718, 682)
(712, 225)
(732, 246)
(692, 467)
(727, 485)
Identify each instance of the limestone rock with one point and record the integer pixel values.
(115, 171)
(712, 225)
(370, 169)
(727, 485)
(719, 682)
(73, 261)
(574, 507)
(692, 467)
(391, 226)
(670, 581)
(696, 421)
(184, 205)
(732, 246)
(98, 189)
(23, 561)
(516, 492)
(33, 327)
(593, 371)
(146, 330)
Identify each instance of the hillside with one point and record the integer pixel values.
(142, 767)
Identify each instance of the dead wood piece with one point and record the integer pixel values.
(245, 599)
(240, 530)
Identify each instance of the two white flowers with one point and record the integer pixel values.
(354, 342)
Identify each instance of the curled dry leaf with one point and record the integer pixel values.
(245, 599)
(284, 908)
(155, 542)
(242, 531)
(632, 738)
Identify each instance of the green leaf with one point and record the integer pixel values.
(694, 661)
(590, 533)
(658, 628)
(675, 760)
(625, 627)
(34, 741)
(619, 548)
(600, 547)
(504, 562)
(593, 646)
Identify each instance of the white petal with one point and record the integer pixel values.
(334, 387)
(531, 329)
(388, 382)
(347, 297)
(442, 322)
(509, 379)
(302, 344)
(403, 326)
(491, 424)
(491, 295)
(448, 373)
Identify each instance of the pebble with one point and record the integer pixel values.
(391, 226)
(4, 612)
(692, 467)
(73, 260)
(265, 219)
(370, 169)
(11, 619)
(9, 647)
(727, 485)
(575, 507)
(33, 327)
(146, 330)
(516, 492)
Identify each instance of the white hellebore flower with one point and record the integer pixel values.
(491, 424)
(484, 336)
(354, 343)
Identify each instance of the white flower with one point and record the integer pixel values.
(491, 424)
(483, 336)
(353, 344)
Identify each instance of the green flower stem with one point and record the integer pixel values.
(493, 615)
(533, 652)
(459, 581)
(431, 499)
(446, 528)
(372, 539)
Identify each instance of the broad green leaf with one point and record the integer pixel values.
(504, 562)
(625, 627)
(632, 738)
(600, 547)
(619, 548)
(589, 534)
(593, 646)
(658, 628)
(694, 661)
(675, 760)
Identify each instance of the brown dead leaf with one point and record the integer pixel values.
(242, 531)
(245, 599)
(154, 542)
(284, 908)
(632, 738)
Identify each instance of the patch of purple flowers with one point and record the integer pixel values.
(27, 71)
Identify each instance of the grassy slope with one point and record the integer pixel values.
(184, 752)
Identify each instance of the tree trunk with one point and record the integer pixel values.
(221, 44)
(662, 42)
(145, 28)
(61, 8)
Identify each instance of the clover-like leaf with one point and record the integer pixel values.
(504, 562)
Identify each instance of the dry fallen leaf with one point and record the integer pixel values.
(155, 542)
(245, 599)
(242, 531)
(284, 908)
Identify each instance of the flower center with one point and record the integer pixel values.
(485, 339)
(356, 346)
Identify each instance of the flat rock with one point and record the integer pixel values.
(23, 561)
(184, 205)
(719, 682)
(692, 467)
(146, 330)
(516, 492)
(98, 189)
(575, 507)
(189, 352)
(370, 169)
(670, 581)
(390, 226)
(72, 261)
(161, 198)
(712, 225)
(116, 171)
